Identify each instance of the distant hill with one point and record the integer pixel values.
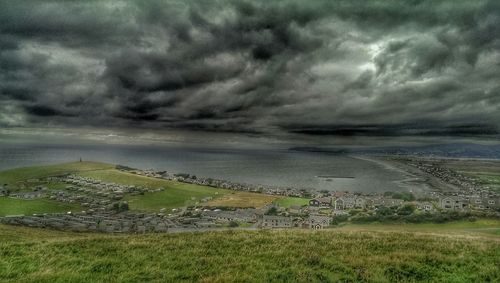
(444, 150)
(457, 150)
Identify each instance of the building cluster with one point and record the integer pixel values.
(3, 191)
(109, 222)
(26, 195)
(463, 183)
(346, 201)
(466, 192)
(101, 186)
(225, 184)
(310, 222)
(93, 194)
(35, 193)
(246, 215)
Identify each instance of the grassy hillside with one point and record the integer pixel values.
(9, 206)
(348, 255)
(12, 177)
(482, 226)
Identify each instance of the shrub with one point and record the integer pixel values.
(406, 209)
(339, 219)
(233, 224)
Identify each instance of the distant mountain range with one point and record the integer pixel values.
(442, 150)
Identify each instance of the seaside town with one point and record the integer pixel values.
(107, 211)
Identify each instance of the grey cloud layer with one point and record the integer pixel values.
(323, 67)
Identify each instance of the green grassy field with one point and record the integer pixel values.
(14, 176)
(9, 206)
(289, 201)
(345, 255)
(175, 195)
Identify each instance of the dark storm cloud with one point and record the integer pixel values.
(416, 129)
(310, 67)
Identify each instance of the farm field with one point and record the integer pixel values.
(350, 254)
(175, 195)
(290, 201)
(10, 206)
(243, 199)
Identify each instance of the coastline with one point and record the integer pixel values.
(414, 181)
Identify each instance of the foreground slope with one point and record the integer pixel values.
(31, 255)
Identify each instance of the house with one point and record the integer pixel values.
(272, 221)
(481, 203)
(314, 202)
(337, 194)
(324, 202)
(318, 221)
(359, 202)
(339, 212)
(424, 205)
(240, 215)
(387, 202)
(345, 203)
(26, 195)
(453, 203)
(295, 209)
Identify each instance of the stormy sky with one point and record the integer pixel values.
(319, 68)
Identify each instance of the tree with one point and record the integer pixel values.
(121, 206)
(233, 224)
(406, 196)
(406, 209)
(384, 211)
(272, 211)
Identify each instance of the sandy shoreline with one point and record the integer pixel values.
(415, 181)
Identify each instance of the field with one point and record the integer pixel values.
(289, 201)
(243, 199)
(9, 206)
(348, 254)
(175, 195)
